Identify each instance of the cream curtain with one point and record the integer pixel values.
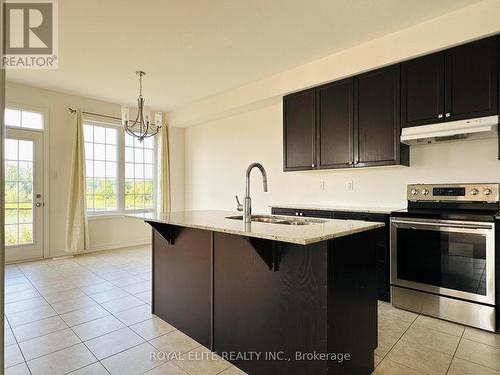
(164, 171)
(77, 233)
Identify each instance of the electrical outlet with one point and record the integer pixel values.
(322, 185)
(350, 185)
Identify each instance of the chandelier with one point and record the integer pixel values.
(141, 127)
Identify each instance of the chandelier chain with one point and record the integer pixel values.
(140, 86)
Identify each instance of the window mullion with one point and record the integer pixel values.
(121, 171)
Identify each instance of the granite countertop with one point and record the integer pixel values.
(299, 234)
(321, 207)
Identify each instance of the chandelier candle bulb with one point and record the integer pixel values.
(158, 118)
(125, 114)
(147, 114)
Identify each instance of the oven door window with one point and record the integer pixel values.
(446, 259)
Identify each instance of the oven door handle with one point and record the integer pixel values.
(465, 225)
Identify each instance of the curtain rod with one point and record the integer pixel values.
(95, 114)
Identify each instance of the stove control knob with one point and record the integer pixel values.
(474, 191)
(414, 191)
(425, 192)
(487, 191)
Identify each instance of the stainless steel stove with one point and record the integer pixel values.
(443, 253)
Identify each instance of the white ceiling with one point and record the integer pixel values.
(192, 49)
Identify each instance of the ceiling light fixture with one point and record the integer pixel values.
(142, 127)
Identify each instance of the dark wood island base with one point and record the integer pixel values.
(270, 307)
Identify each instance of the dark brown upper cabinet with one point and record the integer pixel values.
(422, 88)
(299, 132)
(335, 125)
(471, 76)
(354, 122)
(456, 84)
(377, 119)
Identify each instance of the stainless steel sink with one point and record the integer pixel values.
(279, 220)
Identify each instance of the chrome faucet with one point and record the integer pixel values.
(246, 207)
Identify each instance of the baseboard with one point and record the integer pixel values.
(112, 246)
(145, 241)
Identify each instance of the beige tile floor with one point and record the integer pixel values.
(91, 315)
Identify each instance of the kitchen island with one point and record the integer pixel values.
(295, 297)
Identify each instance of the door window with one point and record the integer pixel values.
(18, 191)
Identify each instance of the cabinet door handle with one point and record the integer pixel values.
(313, 165)
(440, 115)
(448, 114)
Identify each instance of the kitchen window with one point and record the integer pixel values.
(119, 170)
(101, 161)
(139, 180)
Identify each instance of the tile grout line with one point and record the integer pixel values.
(57, 331)
(29, 280)
(84, 343)
(59, 315)
(400, 337)
(392, 347)
(477, 363)
(436, 331)
(480, 342)
(455, 352)
(112, 314)
(19, 347)
(76, 286)
(173, 362)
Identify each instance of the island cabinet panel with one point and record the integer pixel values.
(382, 239)
(258, 310)
(299, 115)
(182, 279)
(322, 298)
(352, 302)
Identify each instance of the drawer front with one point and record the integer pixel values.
(304, 213)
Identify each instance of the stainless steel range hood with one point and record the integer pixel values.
(477, 128)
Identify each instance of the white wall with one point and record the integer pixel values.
(218, 152)
(228, 131)
(466, 24)
(105, 232)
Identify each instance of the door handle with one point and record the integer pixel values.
(457, 225)
(38, 204)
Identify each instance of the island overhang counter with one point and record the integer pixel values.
(270, 298)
